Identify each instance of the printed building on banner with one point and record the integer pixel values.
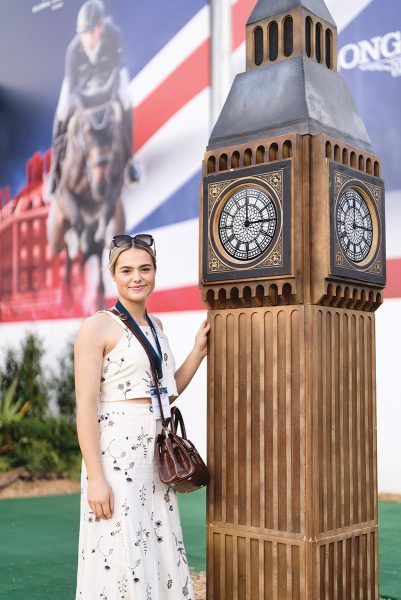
(31, 275)
(168, 63)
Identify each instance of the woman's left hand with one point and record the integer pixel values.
(201, 339)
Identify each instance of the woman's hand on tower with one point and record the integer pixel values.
(101, 498)
(201, 338)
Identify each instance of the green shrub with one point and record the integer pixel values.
(4, 464)
(12, 409)
(57, 431)
(43, 445)
(29, 436)
(26, 367)
(63, 383)
(37, 456)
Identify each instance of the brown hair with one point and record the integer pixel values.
(115, 253)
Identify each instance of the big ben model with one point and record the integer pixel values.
(292, 269)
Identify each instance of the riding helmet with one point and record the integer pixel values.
(90, 14)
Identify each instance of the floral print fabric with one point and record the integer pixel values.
(126, 371)
(139, 553)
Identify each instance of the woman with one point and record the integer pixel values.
(130, 539)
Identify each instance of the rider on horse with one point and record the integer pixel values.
(91, 57)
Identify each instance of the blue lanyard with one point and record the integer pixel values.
(157, 356)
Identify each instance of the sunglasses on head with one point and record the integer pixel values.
(144, 240)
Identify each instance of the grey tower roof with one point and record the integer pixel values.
(296, 95)
(265, 9)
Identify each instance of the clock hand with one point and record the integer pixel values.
(262, 220)
(362, 227)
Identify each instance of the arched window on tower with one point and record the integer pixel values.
(308, 36)
(273, 41)
(260, 154)
(247, 157)
(235, 160)
(258, 46)
(223, 166)
(318, 41)
(329, 49)
(288, 34)
(287, 149)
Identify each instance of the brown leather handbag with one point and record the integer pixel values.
(180, 464)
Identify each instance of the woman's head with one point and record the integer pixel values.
(133, 268)
(121, 243)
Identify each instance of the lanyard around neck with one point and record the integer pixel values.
(157, 356)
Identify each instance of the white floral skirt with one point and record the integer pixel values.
(139, 553)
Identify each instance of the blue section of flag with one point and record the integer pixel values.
(32, 64)
(148, 26)
(181, 206)
(370, 49)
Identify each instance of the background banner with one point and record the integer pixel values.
(53, 270)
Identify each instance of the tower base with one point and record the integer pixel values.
(292, 505)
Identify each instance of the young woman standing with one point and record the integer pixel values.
(130, 538)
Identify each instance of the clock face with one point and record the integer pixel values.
(354, 221)
(247, 223)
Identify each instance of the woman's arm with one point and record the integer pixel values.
(184, 374)
(88, 359)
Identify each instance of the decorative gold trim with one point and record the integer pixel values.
(377, 267)
(214, 263)
(214, 192)
(274, 181)
(373, 200)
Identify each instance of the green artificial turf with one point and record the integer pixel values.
(390, 549)
(39, 539)
(39, 543)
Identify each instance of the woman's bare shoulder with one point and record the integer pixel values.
(97, 327)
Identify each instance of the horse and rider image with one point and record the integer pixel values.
(92, 142)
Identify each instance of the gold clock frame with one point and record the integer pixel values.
(373, 267)
(214, 226)
(275, 180)
(361, 266)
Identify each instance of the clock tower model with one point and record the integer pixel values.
(292, 267)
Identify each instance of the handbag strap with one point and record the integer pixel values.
(151, 360)
(177, 420)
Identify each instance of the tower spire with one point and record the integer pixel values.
(281, 29)
(265, 9)
(291, 82)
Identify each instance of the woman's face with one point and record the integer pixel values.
(134, 274)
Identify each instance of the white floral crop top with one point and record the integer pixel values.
(126, 372)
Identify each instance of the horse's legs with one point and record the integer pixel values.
(101, 287)
(56, 228)
(68, 205)
(119, 218)
(67, 276)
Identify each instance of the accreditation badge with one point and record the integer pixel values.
(165, 402)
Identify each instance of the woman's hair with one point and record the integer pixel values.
(115, 253)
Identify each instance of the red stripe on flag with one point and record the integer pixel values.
(172, 300)
(184, 83)
(240, 13)
(177, 299)
(189, 298)
(188, 80)
(393, 289)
